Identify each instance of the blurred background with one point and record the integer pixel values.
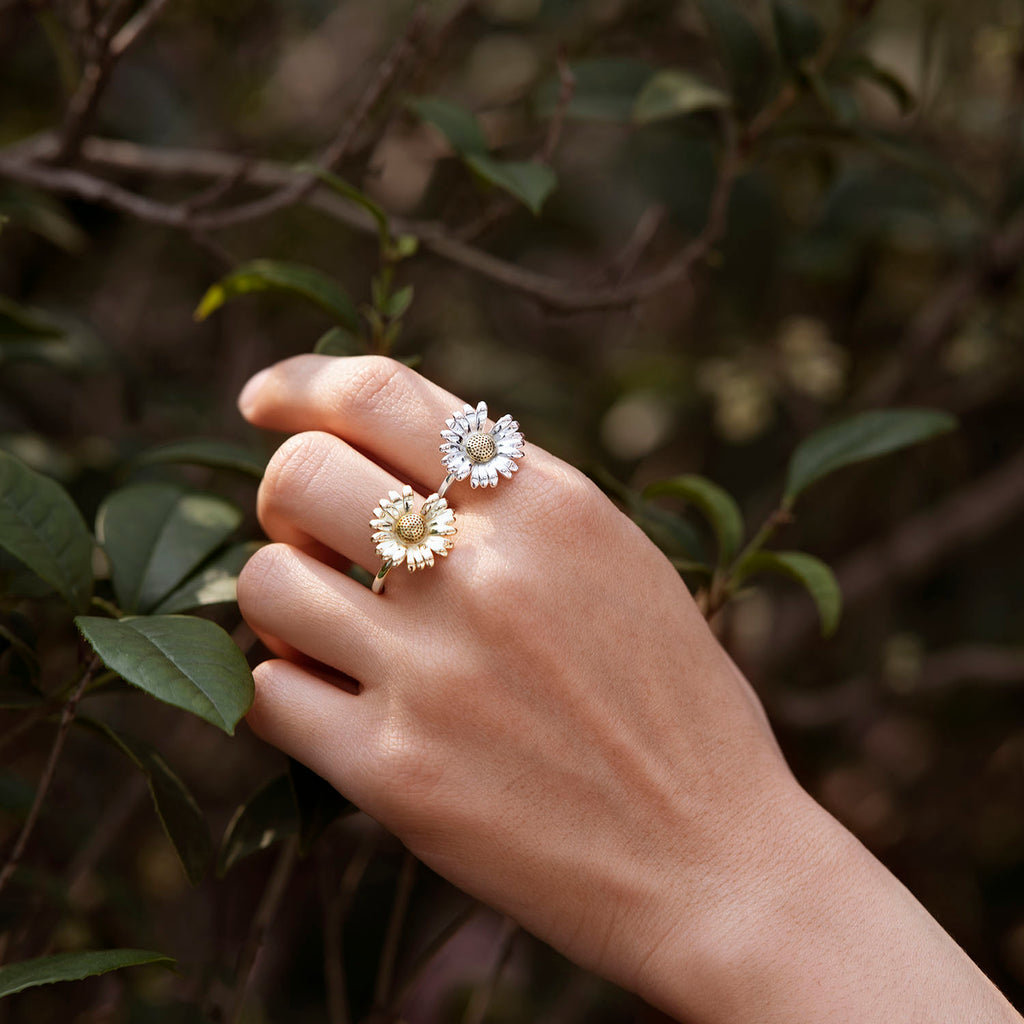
(817, 212)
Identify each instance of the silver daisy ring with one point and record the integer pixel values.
(404, 535)
(469, 449)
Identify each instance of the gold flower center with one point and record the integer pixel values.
(480, 446)
(411, 527)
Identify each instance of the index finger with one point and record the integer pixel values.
(374, 403)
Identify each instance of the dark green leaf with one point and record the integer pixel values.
(530, 183)
(798, 34)
(317, 801)
(266, 817)
(807, 570)
(46, 970)
(215, 583)
(156, 534)
(44, 216)
(717, 505)
(41, 527)
(745, 57)
(350, 192)
(606, 89)
(188, 662)
(339, 341)
(176, 808)
(673, 93)
(19, 324)
(862, 66)
(456, 124)
(270, 275)
(201, 451)
(858, 438)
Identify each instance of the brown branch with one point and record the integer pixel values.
(136, 26)
(396, 923)
(911, 549)
(66, 718)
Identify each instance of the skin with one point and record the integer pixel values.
(545, 719)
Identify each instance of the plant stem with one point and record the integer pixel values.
(265, 913)
(66, 718)
(389, 954)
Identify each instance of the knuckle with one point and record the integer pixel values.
(376, 383)
(293, 469)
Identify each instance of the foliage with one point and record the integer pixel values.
(750, 263)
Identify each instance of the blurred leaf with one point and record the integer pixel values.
(717, 505)
(180, 815)
(807, 570)
(350, 192)
(862, 66)
(19, 324)
(41, 526)
(606, 89)
(268, 816)
(798, 33)
(215, 583)
(156, 534)
(456, 124)
(339, 341)
(271, 275)
(399, 303)
(745, 57)
(672, 93)
(530, 183)
(187, 662)
(43, 215)
(405, 246)
(46, 970)
(317, 801)
(858, 438)
(210, 452)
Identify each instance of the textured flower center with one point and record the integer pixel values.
(411, 527)
(480, 446)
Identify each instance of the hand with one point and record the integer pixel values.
(543, 717)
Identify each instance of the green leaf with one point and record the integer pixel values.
(606, 90)
(339, 341)
(350, 192)
(156, 534)
(798, 34)
(46, 970)
(212, 452)
(744, 56)
(183, 821)
(717, 505)
(187, 662)
(673, 93)
(399, 303)
(455, 123)
(858, 438)
(41, 527)
(862, 66)
(215, 583)
(405, 246)
(268, 816)
(807, 570)
(19, 324)
(530, 183)
(271, 275)
(317, 801)
(44, 216)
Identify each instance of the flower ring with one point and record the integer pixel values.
(403, 535)
(470, 450)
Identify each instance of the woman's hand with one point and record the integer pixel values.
(543, 717)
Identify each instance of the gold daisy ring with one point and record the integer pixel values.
(470, 450)
(405, 535)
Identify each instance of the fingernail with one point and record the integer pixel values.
(251, 391)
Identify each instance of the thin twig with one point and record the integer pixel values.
(135, 27)
(66, 718)
(482, 997)
(265, 914)
(393, 937)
